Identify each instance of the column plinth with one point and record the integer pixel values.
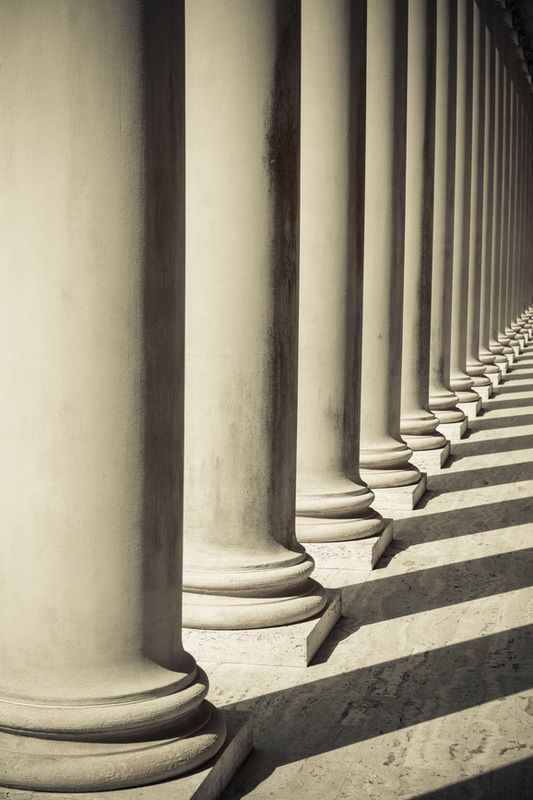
(96, 690)
(243, 566)
(384, 457)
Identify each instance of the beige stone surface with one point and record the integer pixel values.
(431, 460)
(401, 498)
(206, 783)
(356, 554)
(454, 431)
(284, 645)
(424, 688)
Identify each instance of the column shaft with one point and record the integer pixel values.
(384, 456)
(442, 399)
(332, 502)
(96, 689)
(461, 383)
(243, 565)
(419, 425)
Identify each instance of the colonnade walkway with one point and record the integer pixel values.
(425, 688)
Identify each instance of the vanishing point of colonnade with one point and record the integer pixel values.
(261, 262)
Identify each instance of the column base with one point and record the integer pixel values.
(485, 392)
(357, 554)
(284, 646)
(431, 460)
(471, 410)
(454, 431)
(515, 347)
(495, 377)
(400, 498)
(206, 783)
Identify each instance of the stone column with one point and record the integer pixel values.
(332, 502)
(461, 383)
(243, 565)
(418, 424)
(504, 210)
(495, 346)
(486, 357)
(474, 368)
(96, 689)
(508, 230)
(384, 456)
(442, 401)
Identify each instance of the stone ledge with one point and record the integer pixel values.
(283, 646)
(471, 410)
(206, 783)
(356, 554)
(453, 431)
(431, 460)
(495, 378)
(399, 498)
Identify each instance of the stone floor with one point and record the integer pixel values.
(425, 688)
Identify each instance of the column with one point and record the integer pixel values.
(510, 335)
(418, 424)
(461, 383)
(504, 209)
(384, 456)
(486, 357)
(474, 368)
(332, 502)
(97, 691)
(495, 346)
(243, 565)
(442, 401)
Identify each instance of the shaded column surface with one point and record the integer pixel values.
(486, 357)
(384, 456)
(96, 690)
(243, 565)
(474, 366)
(332, 502)
(504, 208)
(418, 424)
(462, 383)
(442, 400)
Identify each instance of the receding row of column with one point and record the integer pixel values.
(259, 262)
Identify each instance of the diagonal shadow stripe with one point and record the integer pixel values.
(511, 782)
(467, 447)
(481, 476)
(334, 712)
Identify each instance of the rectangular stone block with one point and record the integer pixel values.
(485, 392)
(206, 783)
(431, 460)
(515, 348)
(359, 554)
(284, 646)
(495, 377)
(399, 498)
(453, 431)
(471, 410)
(347, 581)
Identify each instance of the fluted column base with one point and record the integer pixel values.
(336, 516)
(134, 741)
(443, 404)
(252, 595)
(386, 465)
(418, 429)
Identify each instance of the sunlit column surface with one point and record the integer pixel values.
(243, 565)
(384, 456)
(418, 425)
(462, 383)
(96, 689)
(489, 132)
(442, 400)
(332, 502)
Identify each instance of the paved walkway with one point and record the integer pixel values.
(425, 689)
